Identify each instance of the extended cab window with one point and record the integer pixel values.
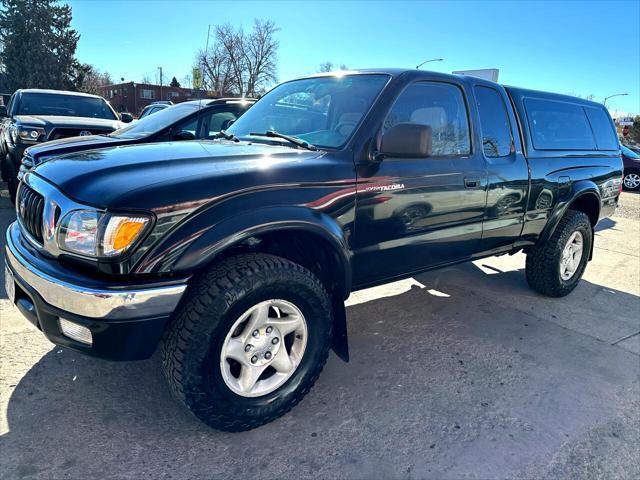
(603, 128)
(557, 125)
(440, 106)
(494, 122)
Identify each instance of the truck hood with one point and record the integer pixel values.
(160, 175)
(66, 145)
(48, 121)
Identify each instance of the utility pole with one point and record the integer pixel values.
(160, 68)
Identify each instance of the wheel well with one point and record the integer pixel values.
(588, 204)
(307, 249)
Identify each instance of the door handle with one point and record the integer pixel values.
(471, 182)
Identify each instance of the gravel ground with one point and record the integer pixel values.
(459, 373)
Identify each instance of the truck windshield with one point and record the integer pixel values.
(64, 105)
(323, 111)
(156, 122)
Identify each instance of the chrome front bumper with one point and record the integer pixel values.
(112, 303)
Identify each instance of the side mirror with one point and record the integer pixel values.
(3, 111)
(126, 117)
(184, 135)
(407, 140)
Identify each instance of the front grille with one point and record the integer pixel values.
(30, 207)
(57, 133)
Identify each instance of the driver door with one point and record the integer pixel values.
(417, 213)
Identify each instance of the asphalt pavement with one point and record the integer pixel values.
(458, 373)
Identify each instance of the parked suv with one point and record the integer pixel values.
(185, 121)
(236, 255)
(33, 116)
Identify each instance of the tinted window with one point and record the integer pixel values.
(496, 130)
(64, 105)
(154, 123)
(439, 106)
(558, 125)
(213, 122)
(602, 127)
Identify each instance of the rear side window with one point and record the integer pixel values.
(440, 106)
(496, 130)
(558, 125)
(606, 137)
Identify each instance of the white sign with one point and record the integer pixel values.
(623, 121)
(486, 74)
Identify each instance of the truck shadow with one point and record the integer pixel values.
(433, 367)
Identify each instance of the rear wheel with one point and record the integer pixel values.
(248, 342)
(555, 267)
(631, 180)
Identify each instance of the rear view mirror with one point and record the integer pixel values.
(126, 117)
(407, 140)
(184, 135)
(3, 111)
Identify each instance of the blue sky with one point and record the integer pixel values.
(566, 47)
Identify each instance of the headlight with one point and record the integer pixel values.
(98, 234)
(21, 134)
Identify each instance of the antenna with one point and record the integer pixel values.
(206, 49)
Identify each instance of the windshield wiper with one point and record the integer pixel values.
(294, 140)
(227, 136)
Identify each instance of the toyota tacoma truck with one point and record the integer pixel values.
(235, 255)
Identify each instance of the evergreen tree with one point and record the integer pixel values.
(39, 45)
(174, 82)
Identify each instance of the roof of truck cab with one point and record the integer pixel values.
(397, 72)
(517, 92)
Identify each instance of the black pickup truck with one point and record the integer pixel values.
(236, 254)
(35, 115)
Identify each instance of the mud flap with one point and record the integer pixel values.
(340, 343)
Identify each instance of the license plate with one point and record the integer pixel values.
(9, 284)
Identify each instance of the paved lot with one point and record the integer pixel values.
(461, 373)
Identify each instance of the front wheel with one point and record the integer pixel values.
(631, 181)
(248, 342)
(555, 267)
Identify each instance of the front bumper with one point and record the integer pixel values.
(126, 321)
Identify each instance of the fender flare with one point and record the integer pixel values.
(238, 228)
(578, 189)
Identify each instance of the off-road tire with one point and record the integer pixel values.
(214, 301)
(543, 260)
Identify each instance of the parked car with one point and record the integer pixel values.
(33, 116)
(154, 107)
(631, 161)
(184, 121)
(236, 255)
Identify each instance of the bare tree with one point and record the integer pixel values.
(216, 70)
(240, 64)
(93, 79)
(329, 66)
(260, 53)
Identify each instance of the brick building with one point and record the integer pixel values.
(133, 97)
